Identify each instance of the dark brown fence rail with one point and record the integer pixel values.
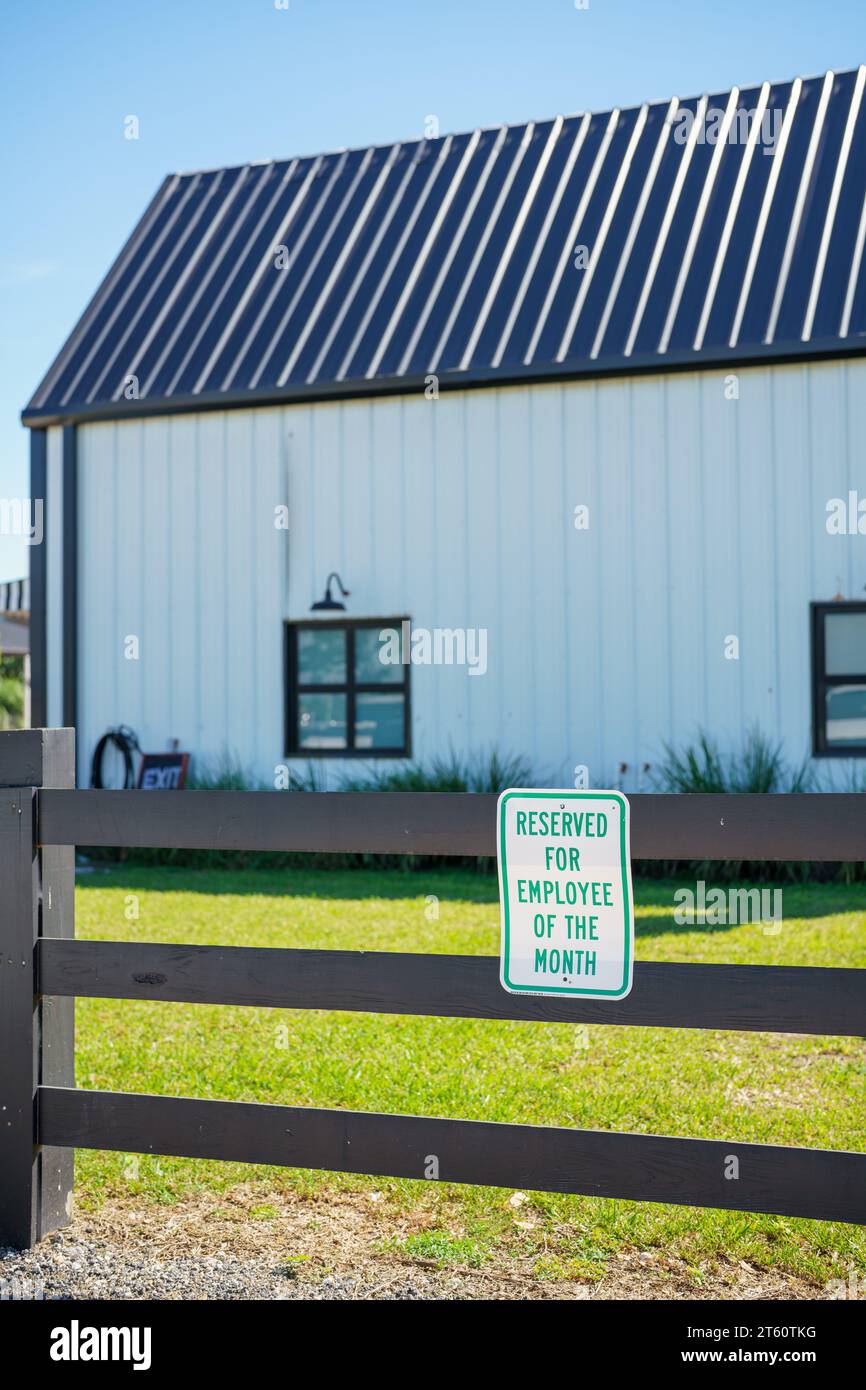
(42, 970)
(751, 998)
(827, 827)
(645, 1167)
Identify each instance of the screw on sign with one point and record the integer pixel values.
(565, 892)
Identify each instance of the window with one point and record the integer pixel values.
(839, 680)
(341, 700)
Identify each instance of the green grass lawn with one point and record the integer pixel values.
(783, 1089)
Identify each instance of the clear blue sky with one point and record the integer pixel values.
(225, 81)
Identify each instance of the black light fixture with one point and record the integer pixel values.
(329, 604)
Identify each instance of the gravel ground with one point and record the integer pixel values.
(340, 1247)
(69, 1267)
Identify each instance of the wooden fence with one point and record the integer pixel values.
(43, 1117)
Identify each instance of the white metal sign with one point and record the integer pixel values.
(565, 893)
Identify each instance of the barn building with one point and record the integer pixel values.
(574, 410)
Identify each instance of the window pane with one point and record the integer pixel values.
(369, 669)
(845, 644)
(379, 721)
(322, 656)
(321, 721)
(846, 715)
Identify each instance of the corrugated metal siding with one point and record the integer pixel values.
(456, 256)
(707, 518)
(54, 595)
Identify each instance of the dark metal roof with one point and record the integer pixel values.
(725, 227)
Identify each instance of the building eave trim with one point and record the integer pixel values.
(708, 359)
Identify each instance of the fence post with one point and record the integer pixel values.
(36, 1037)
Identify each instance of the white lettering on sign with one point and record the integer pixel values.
(160, 779)
(565, 893)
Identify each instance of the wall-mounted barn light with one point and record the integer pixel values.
(328, 603)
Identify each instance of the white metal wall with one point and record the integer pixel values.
(54, 600)
(707, 519)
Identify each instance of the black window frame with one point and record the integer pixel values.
(350, 688)
(821, 682)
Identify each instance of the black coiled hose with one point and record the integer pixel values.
(125, 741)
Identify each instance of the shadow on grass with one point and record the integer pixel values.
(654, 898)
(343, 884)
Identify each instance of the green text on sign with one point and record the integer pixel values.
(565, 893)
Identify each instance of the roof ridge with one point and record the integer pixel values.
(510, 125)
